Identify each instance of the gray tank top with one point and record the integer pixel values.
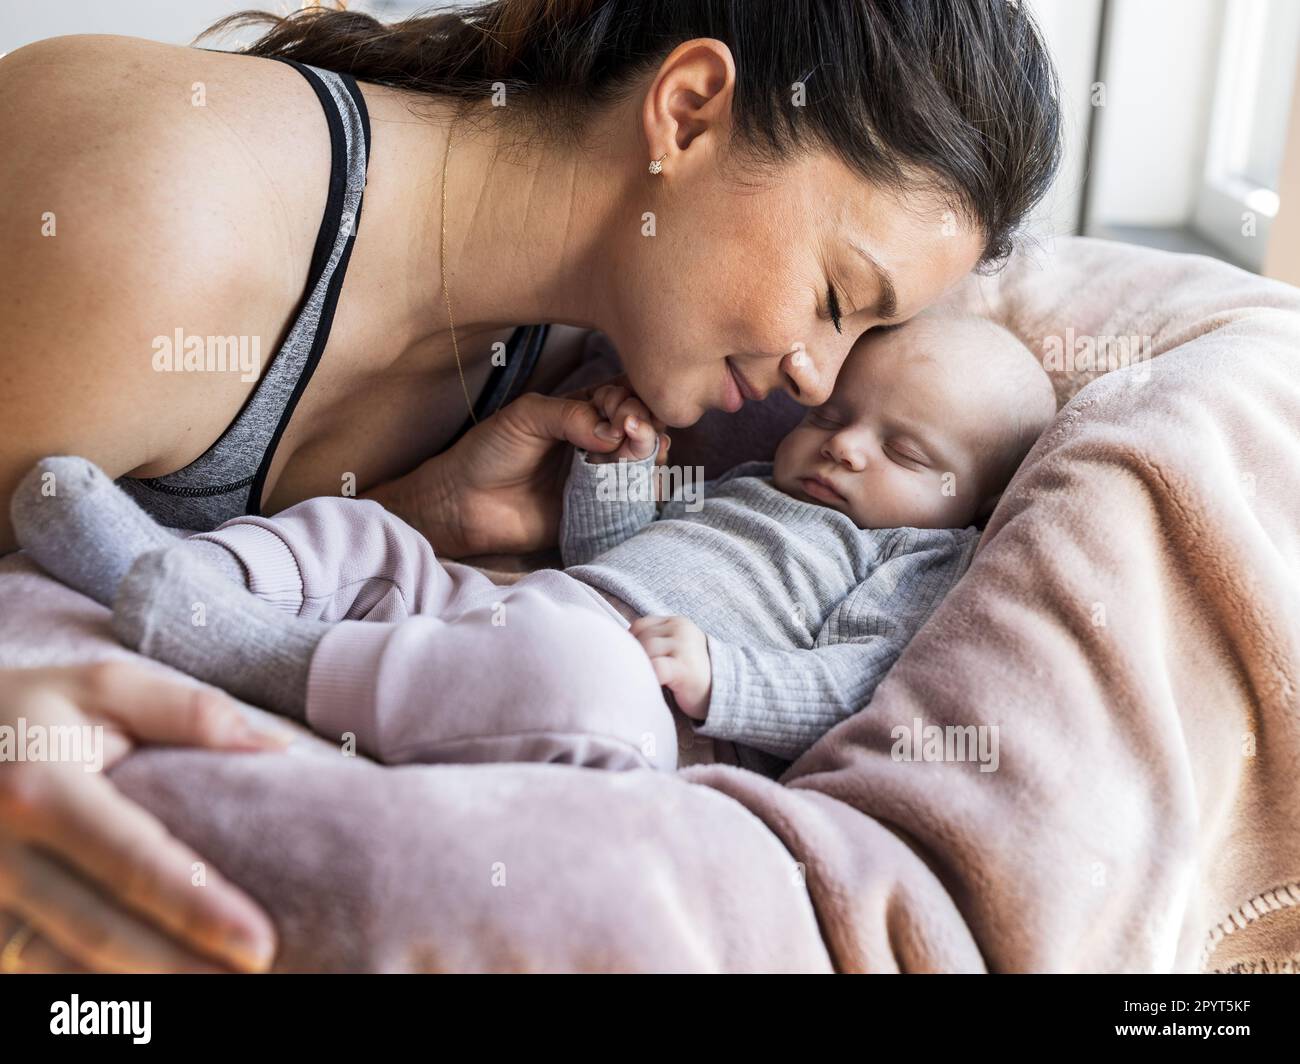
(228, 479)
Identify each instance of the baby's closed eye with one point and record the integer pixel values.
(907, 454)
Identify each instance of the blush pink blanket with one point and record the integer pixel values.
(1129, 631)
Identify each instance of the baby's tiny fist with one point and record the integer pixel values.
(631, 422)
(679, 654)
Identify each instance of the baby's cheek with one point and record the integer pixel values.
(947, 497)
(912, 499)
(876, 500)
(786, 459)
(904, 498)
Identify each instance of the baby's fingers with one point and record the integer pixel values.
(650, 623)
(659, 646)
(642, 438)
(642, 441)
(668, 671)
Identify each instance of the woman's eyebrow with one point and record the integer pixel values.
(887, 304)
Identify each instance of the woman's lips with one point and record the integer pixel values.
(732, 397)
(746, 389)
(819, 489)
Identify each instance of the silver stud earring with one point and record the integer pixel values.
(657, 165)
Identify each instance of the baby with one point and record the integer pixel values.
(773, 612)
(769, 613)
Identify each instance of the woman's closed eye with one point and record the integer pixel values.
(833, 307)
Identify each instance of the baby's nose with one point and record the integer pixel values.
(842, 452)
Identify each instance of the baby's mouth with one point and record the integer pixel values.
(821, 489)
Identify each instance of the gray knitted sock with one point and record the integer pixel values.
(81, 527)
(217, 557)
(174, 608)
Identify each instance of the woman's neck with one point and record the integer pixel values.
(526, 225)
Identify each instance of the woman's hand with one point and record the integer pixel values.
(499, 489)
(95, 879)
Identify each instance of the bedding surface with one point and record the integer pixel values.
(1126, 640)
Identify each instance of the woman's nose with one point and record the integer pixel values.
(804, 379)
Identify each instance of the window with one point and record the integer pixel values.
(1238, 196)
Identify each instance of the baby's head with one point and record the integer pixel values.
(926, 425)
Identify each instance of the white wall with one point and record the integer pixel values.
(1159, 78)
(1283, 257)
(171, 21)
(1069, 28)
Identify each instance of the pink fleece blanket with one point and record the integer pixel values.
(1129, 631)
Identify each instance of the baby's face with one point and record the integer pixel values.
(898, 444)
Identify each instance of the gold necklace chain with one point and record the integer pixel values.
(446, 293)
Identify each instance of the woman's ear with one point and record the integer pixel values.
(689, 103)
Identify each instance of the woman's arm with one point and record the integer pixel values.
(126, 213)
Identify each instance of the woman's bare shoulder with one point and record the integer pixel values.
(144, 188)
(148, 141)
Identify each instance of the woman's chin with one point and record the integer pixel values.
(675, 413)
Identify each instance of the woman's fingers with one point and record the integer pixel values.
(154, 707)
(550, 418)
(73, 842)
(613, 402)
(72, 924)
(609, 397)
(84, 820)
(618, 403)
(39, 957)
(33, 953)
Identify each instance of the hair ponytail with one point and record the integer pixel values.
(555, 54)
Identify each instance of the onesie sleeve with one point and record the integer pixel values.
(604, 504)
(783, 701)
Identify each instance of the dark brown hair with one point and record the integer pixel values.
(955, 95)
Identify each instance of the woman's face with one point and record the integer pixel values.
(730, 298)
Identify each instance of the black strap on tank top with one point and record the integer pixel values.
(229, 479)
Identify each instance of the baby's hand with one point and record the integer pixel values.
(679, 655)
(625, 414)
